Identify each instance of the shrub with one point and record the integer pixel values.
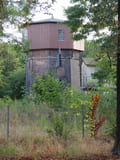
(8, 149)
(17, 83)
(59, 125)
(92, 83)
(47, 89)
(107, 107)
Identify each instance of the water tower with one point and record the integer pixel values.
(53, 50)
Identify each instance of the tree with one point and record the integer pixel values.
(92, 49)
(106, 72)
(90, 16)
(19, 12)
(116, 148)
(100, 17)
(12, 53)
(12, 70)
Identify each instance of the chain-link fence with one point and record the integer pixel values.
(18, 122)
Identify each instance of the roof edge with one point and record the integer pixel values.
(51, 20)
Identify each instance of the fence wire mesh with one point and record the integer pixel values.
(18, 122)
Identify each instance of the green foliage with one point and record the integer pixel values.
(92, 83)
(61, 126)
(106, 72)
(12, 56)
(8, 149)
(49, 90)
(12, 72)
(20, 12)
(105, 63)
(57, 124)
(107, 107)
(75, 98)
(92, 49)
(112, 77)
(98, 17)
(8, 58)
(67, 119)
(17, 83)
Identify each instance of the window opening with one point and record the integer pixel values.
(61, 35)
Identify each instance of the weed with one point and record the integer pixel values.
(74, 151)
(39, 140)
(63, 153)
(8, 149)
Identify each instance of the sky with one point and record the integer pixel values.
(57, 10)
(58, 13)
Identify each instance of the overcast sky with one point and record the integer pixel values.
(57, 10)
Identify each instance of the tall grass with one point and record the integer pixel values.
(42, 145)
(33, 132)
(26, 118)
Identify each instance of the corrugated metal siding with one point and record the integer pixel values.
(55, 43)
(39, 35)
(45, 36)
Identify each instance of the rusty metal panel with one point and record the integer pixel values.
(39, 35)
(45, 35)
(67, 43)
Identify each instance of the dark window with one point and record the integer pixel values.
(60, 62)
(59, 58)
(61, 35)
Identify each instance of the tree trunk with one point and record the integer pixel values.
(116, 148)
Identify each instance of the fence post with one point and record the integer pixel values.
(8, 121)
(83, 129)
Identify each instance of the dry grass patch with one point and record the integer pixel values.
(43, 145)
(94, 146)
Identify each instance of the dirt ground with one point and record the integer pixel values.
(93, 157)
